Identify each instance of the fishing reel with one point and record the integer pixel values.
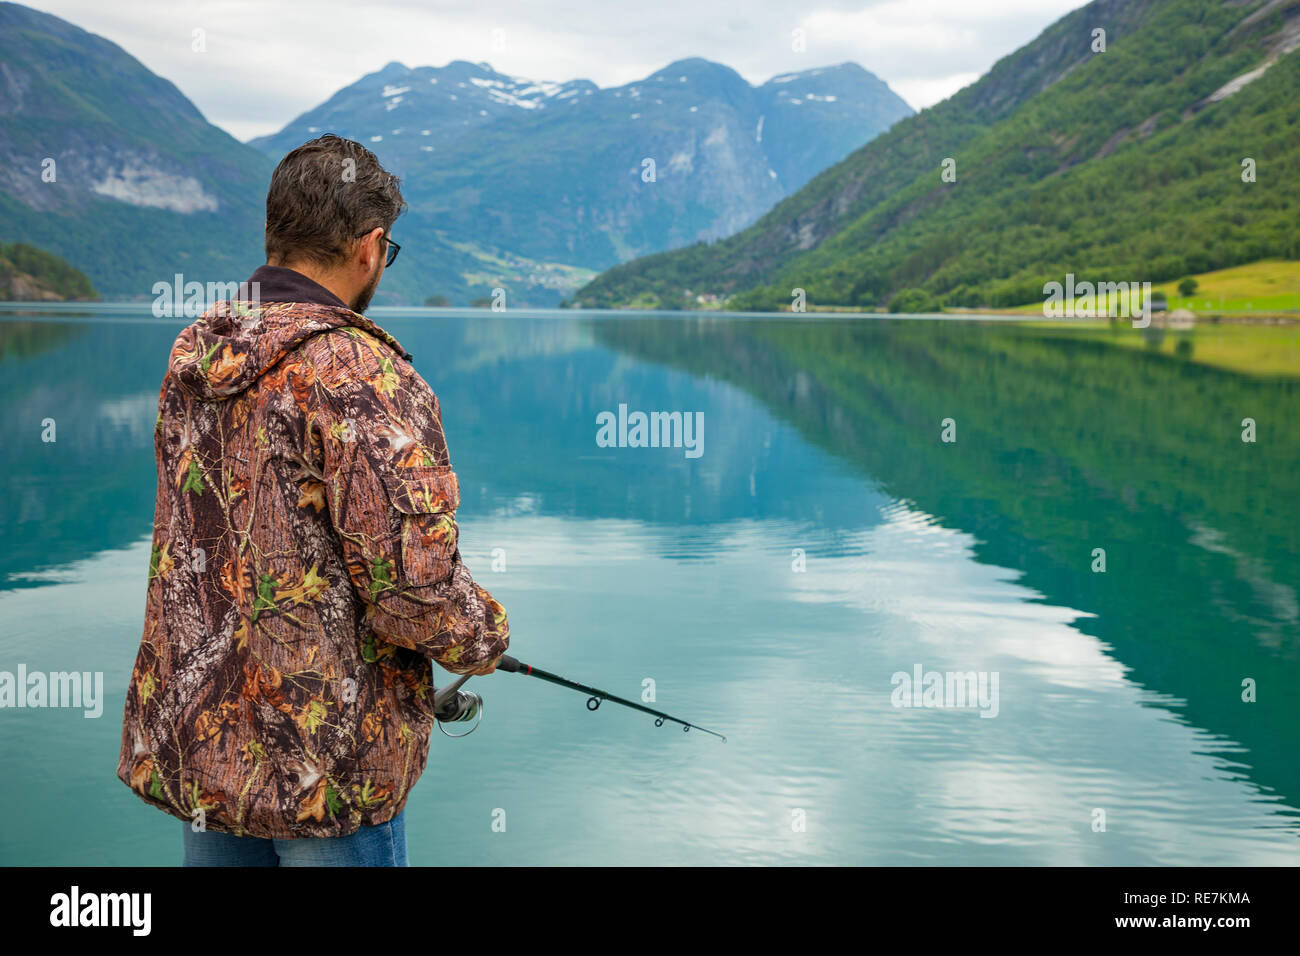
(464, 707)
(451, 705)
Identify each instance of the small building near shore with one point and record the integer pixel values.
(1178, 319)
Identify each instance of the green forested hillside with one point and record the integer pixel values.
(28, 273)
(1124, 165)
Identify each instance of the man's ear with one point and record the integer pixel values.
(368, 250)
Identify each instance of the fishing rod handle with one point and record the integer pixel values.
(511, 665)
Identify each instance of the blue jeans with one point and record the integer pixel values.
(382, 845)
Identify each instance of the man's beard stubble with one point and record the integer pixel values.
(363, 298)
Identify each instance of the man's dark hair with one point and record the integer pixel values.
(323, 195)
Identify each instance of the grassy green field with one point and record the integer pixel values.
(1272, 285)
(1269, 287)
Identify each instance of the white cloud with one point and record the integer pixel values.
(926, 91)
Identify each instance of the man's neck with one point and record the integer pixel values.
(328, 280)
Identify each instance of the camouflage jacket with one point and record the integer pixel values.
(304, 573)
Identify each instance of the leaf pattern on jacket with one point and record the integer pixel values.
(305, 571)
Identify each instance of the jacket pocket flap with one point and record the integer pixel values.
(422, 490)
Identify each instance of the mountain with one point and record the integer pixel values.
(1124, 164)
(528, 186)
(542, 183)
(28, 274)
(140, 186)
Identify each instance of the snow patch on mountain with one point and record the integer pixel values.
(139, 184)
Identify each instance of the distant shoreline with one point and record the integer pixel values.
(48, 308)
(1201, 318)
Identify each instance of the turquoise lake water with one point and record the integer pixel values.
(826, 539)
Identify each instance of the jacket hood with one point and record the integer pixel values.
(234, 343)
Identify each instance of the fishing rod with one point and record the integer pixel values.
(451, 705)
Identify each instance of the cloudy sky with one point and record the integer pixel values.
(267, 61)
